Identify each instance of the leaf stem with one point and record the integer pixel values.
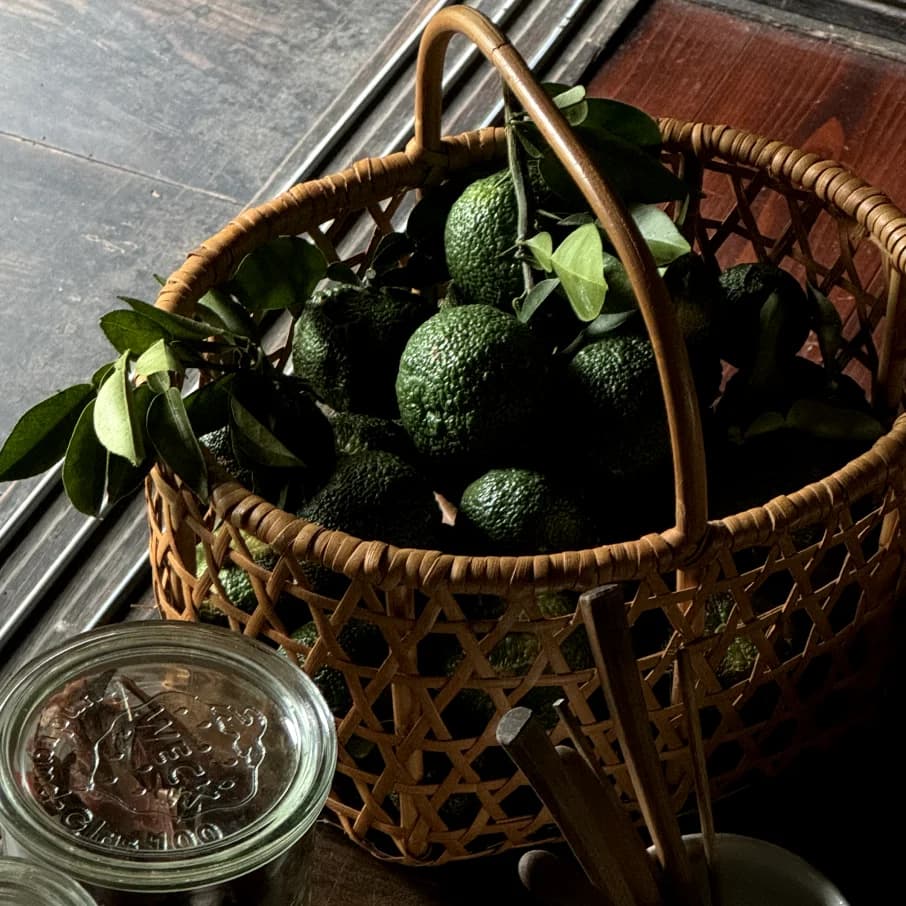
(519, 176)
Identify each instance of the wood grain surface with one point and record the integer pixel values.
(131, 130)
(699, 64)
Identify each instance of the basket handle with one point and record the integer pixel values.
(683, 416)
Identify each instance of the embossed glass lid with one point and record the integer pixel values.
(162, 756)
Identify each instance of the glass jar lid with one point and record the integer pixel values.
(23, 883)
(162, 756)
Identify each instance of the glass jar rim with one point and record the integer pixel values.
(56, 889)
(267, 836)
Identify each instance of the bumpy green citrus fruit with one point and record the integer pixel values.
(480, 240)
(473, 388)
(520, 511)
(347, 344)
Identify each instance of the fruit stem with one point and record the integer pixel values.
(518, 174)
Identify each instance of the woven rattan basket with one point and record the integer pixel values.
(408, 787)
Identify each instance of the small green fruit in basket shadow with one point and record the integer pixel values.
(220, 446)
(514, 655)
(281, 436)
(473, 388)
(234, 580)
(480, 241)
(745, 330)
(615, 390)
(357, 433)
(363, 643)
(741, 653)
(347, 343)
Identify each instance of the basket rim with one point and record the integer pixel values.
(310, 203)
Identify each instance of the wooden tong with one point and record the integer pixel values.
(604, 614)
(582, 800)
(595, 826)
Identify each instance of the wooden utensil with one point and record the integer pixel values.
(699, 768)
(604, 614)
(526, 742)
(602, 798)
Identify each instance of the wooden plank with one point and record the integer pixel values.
(345, 874)
(867, 25)
(699, 64)
(81, 573)
(559, 43)
(207, 95)
(81, 234)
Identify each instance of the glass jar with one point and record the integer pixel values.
(167, 763)
(23, 883)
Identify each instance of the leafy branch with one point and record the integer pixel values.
(574, 255)
(109, 431)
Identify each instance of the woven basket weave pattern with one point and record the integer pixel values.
(813, 575)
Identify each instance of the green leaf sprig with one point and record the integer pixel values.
(575, 256)
(108, 432)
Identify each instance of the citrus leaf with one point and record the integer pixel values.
(208, 407)
(570, 101)
(159, 382)
(340, 272)
(85, 465)
(623, 121)
(567, 96)
(175, 442)
(576, 219)
(254, 442)
(826, 323)
(100, 375)
(176, 327)
(635, 174)
(279, 274)
(660, 233)
(620, 294)
(222, 311)
(765, 423)
(390, 250)
(536, 295)
(123, 478)
(158, 358)
(541, 246)
(114, 415)
(606, 323)
(530, 139)
(131, 330)
(579, 263)
(39, 438)
(828, 422)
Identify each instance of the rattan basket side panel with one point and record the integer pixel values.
(765, 200)
(808, 587)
